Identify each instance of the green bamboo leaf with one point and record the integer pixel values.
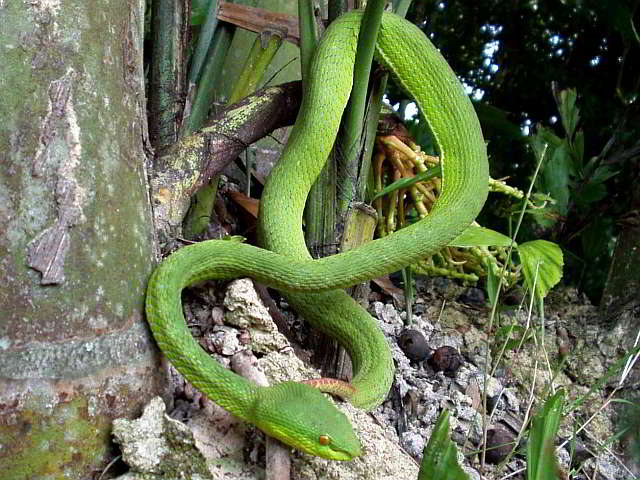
(439, 457)
(475, 236)
(433, 172)
(541, 455)
(545, 258)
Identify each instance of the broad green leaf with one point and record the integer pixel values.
(547, 257)
(590, 193)
(557, 169)
(433, 172)
(439, 457)
(541, 455)
(475, 236)
(569, 113)
(603, 173)
(590, 167)
(544, 136)
(556, 175)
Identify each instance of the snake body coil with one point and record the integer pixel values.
(297, 414)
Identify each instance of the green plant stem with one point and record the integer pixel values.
(205, 40)
(166, 75)
(494, 305)
(308, 37)
(209, 78)
(407, 279)
(201, 209)
(320, 209)
(400, 7)
(355, 112)
(320, 212)
(365, 178)
(256, 64)
(202, 203)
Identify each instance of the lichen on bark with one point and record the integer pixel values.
(75, 351)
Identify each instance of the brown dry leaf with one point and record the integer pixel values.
(390, 289)
(251, 205)
(473, 392)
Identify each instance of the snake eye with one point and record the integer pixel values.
(324, 439)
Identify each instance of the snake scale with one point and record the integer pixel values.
(295, 413)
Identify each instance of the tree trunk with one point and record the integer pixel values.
(76, 244)
(620, 304)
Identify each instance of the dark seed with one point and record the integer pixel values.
(500, 442)
(414, 345)
(446, 359)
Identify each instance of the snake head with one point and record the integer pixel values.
(304, 418)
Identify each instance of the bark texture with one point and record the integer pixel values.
(620, 304)
(76, 245)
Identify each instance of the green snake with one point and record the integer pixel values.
(296, 413)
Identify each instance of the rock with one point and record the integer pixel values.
(245, 309)
(473, 297)
(155, 444)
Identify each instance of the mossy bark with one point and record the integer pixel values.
(76, 244)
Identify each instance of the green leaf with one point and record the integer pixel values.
(541, 455)
(557, 173)
(569, 113)
(543, 136)
(590, 193)
(433, 172)
(439, 457)
(495, 121)
(555, 176)
(543, 258)
(577, 149)
(475, 236)
(603, 173)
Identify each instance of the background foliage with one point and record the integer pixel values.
(568, 70)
